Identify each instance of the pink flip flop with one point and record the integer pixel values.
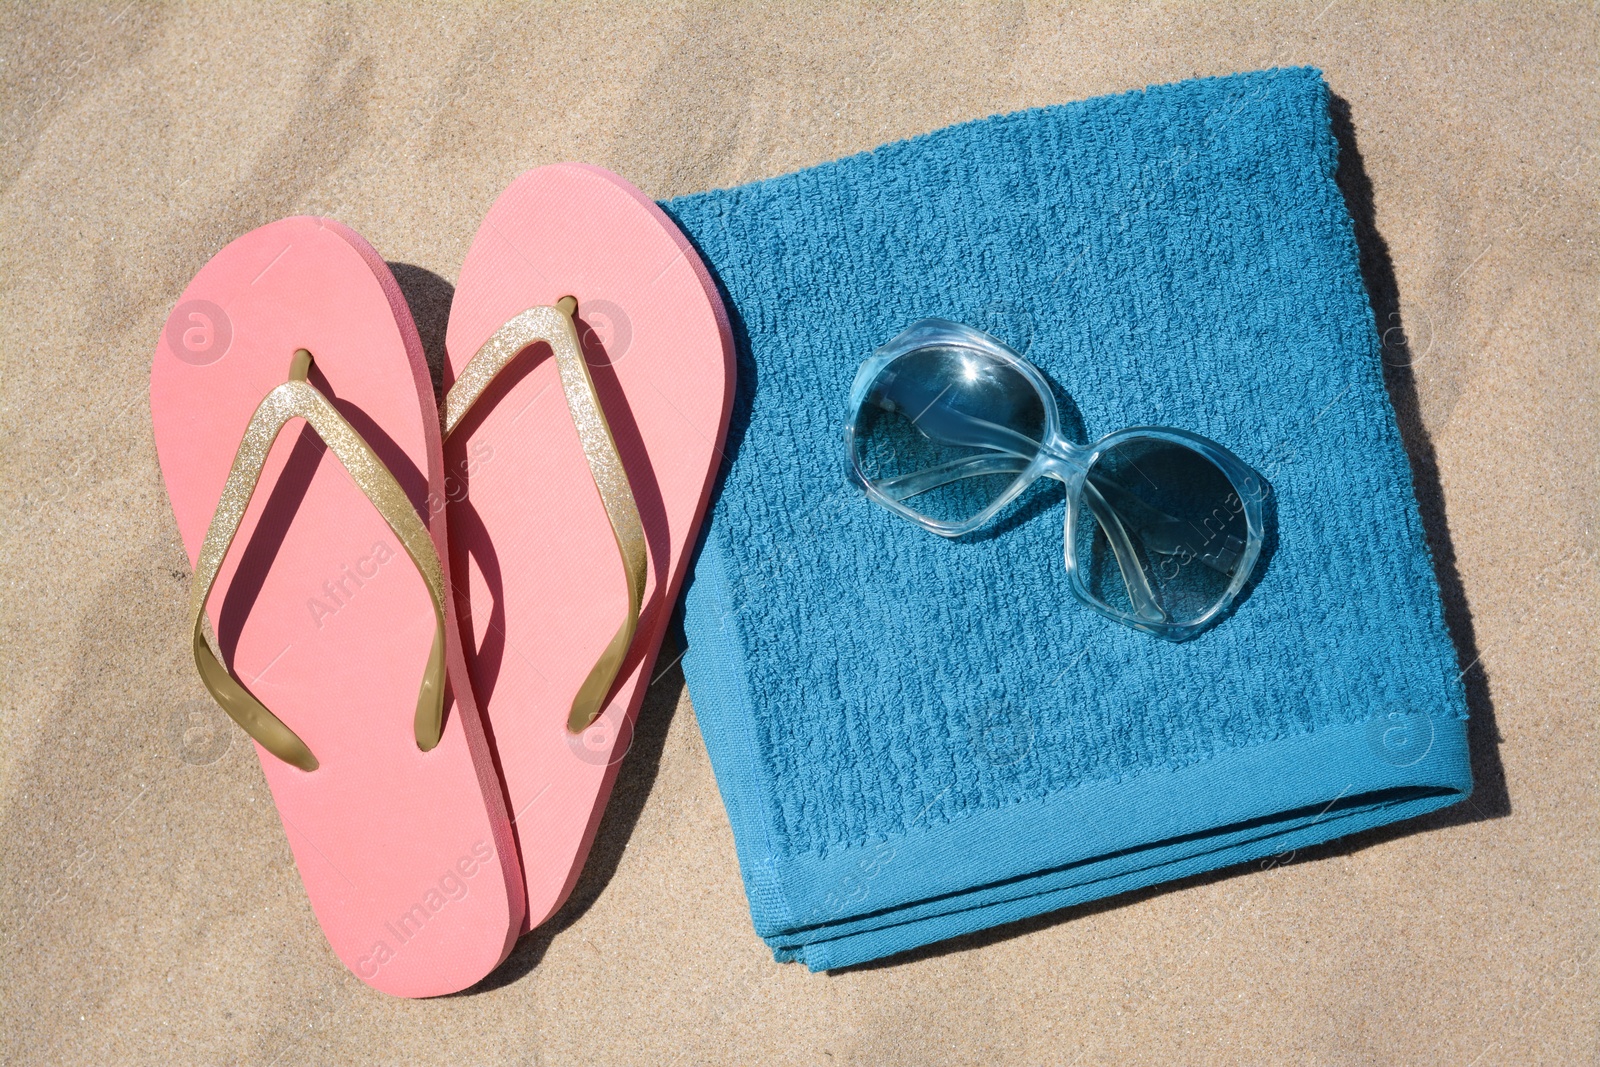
(590, 369)
(320, 586)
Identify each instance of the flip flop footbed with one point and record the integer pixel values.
(406, 855)
(540, 585)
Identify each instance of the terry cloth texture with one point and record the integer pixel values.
(916, 738)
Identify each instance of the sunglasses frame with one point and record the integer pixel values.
(1065, 461)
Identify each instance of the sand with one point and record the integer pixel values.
(149, 906)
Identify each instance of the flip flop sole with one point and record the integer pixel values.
(543, 589)
(406, 856)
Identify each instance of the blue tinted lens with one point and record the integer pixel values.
(946, 430)
(1159, 513)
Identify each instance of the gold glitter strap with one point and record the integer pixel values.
(553, 325)
(299, 399)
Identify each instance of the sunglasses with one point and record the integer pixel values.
(948, 425)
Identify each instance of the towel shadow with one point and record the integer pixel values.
(1490, 798)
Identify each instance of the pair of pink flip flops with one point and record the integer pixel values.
(437, 628)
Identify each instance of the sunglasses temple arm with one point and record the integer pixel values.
(1145, 604)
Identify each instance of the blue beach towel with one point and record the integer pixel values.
(917, 738)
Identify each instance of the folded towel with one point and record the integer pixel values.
(916, 738)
